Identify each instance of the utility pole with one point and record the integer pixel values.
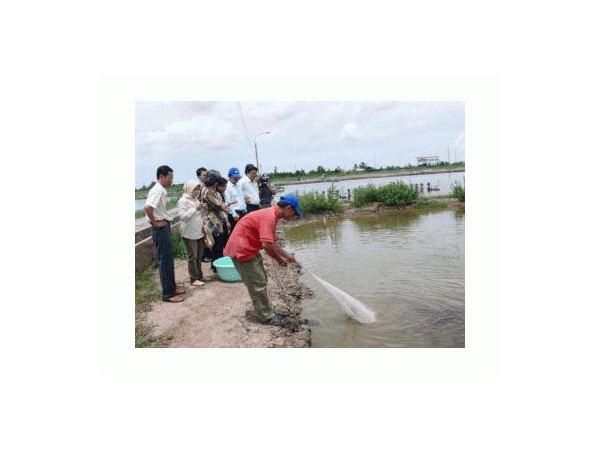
(256, 149)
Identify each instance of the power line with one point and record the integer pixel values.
(243, 123)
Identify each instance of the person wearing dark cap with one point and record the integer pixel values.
(249, 186)
(265, 191)
(254, 232)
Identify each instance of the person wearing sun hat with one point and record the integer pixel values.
(253, 233)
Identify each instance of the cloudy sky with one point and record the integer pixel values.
(303, 135)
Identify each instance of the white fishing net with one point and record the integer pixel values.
(351, 306)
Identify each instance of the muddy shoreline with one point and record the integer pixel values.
(221, 315)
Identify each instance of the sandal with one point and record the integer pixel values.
(179, 291)
(174, 299)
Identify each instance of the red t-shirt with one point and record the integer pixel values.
(250, 232)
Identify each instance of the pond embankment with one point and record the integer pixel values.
(220, 314)
(358, 176)
(369, 175)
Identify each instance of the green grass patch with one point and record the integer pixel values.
(146, 292)
(170, 205)
(171, 190)
(425, 202)
(396, 193)
(179, 248)
(315, 202)
(324, 173)
(458, 191)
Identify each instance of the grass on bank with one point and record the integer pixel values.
(458, 191)
(148, 291)
(315, 202)
(170, 205)
(396, 193)
(323, 173)
(332, 174)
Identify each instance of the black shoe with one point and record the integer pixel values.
(281, 321)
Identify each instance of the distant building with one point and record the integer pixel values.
(428, 160)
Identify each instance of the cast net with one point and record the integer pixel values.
(351, 306)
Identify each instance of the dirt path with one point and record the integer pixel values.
(220, 314)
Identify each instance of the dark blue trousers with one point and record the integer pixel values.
(166, 264)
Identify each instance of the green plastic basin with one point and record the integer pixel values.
(226, 270)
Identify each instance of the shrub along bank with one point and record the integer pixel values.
(396, 193)
(458, 191)
(314, 202)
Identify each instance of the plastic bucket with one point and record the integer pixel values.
(226, 270)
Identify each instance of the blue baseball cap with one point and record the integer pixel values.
(291, 200)
(233, 172)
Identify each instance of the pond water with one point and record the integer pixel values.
(443, 181)
(408, 267)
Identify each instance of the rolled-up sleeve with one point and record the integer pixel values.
(266, 230)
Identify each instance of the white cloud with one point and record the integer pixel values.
(302, 134)
(349, 131)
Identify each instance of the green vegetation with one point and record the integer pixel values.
(358, 169)
(179, 249)
(314, 202)
(396, 193)
(172, 190)
(170, 205)
(458, 191)
(146, 291)
(431, 204)
(322, 172)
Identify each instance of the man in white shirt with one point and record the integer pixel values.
(234, 196)
(156, 210)
(249, 184)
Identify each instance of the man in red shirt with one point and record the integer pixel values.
(253, 232)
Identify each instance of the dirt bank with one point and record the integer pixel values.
(220, 314)
(369, 175)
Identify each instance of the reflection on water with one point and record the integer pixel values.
(408, 267)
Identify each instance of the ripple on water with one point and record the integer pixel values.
(409, 270)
